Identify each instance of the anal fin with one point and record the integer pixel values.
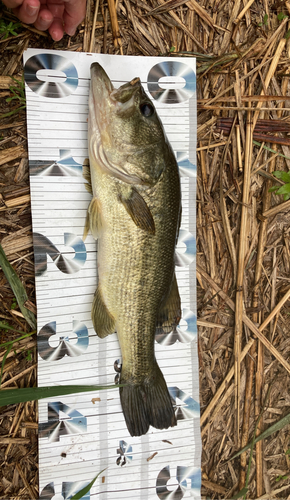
(170, 313)
(103, 321)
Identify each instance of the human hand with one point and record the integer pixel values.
(58, 16)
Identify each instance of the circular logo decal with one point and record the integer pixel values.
(59, 77)
(171, 82)
(185, 249)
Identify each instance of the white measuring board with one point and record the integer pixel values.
(81, 435)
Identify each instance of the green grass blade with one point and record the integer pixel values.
(269, 149)
(240, 494)
(17, 287)
(13, 396)
(11, 342)
(85, 490)
(273, 428)
(10, 113)
(4, 326)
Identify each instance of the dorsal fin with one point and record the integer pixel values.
(87, 175)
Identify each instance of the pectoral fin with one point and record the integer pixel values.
(170, 313)
(137, 208)
(93, 219)
(103, 321)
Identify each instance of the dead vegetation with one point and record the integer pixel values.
(243, 232)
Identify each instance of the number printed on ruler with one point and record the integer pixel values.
(83, 434)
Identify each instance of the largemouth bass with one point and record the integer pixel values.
(135, 215)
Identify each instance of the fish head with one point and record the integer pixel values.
(126, 136)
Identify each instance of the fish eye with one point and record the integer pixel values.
(146, 109)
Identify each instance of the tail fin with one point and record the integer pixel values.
(147, 404)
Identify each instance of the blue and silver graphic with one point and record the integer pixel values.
(47, 492)
(44, 247)
(68, 490)
(125, 453)
(171, 82)
(65, 166)
(185, 332)
(65, 346)
(187, 478)
(51, 75)
(186, 168)
(186, 406)
(62, 420)
(185, 251)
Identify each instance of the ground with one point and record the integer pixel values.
(243, 233)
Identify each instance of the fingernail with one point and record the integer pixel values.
(31, 9)
(55, 35)
(70, 31)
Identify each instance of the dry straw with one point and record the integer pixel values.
(243, 238)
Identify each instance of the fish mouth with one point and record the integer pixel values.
(101, 85)
(103, 90)
(103, 95)
(106, 104)
(105, 99)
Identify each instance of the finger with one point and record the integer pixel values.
(74, 14)
(56, 29)
(44, 20)
(56, 8)
(12, 4)
(28, 11)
